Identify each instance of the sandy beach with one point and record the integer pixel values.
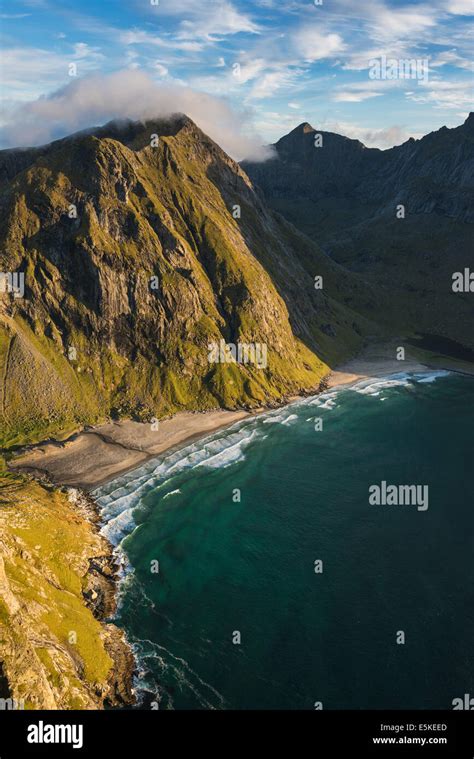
(95, 456)
(379, 359)
(363, 368)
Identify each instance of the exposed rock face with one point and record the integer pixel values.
(141, 244)
(431, 175)
(400, 217)
(57, 584)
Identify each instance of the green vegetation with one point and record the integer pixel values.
(46, 548)
(92, 338)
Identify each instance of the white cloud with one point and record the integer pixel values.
(461, 7)
(443, 94)
(355, 96)
(211, 18)
(356, 92)
(8, 16)
(141, 37)
(27, 71)
(312, 45)
(160, 69)
(401, 32)
(452, 58)
(359, 60)
(271, 81)
(382, 138)
(132, 94)
(247, 71)
(396, 23)
(83, 51)
(263, 78)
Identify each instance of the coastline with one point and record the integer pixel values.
(100, 593)
(358, 369)
(58, 576)
(96, 456)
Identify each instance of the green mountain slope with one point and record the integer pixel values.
(141, 244)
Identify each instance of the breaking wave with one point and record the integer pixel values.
(119, 499)
(165, 479)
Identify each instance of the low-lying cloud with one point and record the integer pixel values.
(373, 138)
(129, 94)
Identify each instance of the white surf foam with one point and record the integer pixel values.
(186, 678)
(119, 526)
(325, 400)
(172, 492)
(119, 499)
(290, 418)
(274, 419)
(373, 386)
(429, 377)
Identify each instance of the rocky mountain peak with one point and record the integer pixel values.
(303, 128)
(138, 254)
(128, 131)
(469, 121)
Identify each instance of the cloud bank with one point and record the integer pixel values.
(129, 94)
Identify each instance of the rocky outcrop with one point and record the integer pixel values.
(140, 245)
(57, 592)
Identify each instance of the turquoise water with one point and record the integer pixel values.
(249, 566)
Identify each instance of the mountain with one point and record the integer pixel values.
(140, 245)
(401, 217)
(126, 253)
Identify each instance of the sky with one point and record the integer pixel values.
(246, 72)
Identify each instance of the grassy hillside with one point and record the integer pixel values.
(135, 259)
(55, 653)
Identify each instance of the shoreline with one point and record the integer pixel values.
(120, 447)
(113, 449)
(100, 594)
(56, 565)
(93, 457)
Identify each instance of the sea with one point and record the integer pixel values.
(258, 574)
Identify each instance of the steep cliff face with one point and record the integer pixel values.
(141, 244)
(401, 217)
(55, 571)
(435, 174)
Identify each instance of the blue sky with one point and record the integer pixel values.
(247, 72)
